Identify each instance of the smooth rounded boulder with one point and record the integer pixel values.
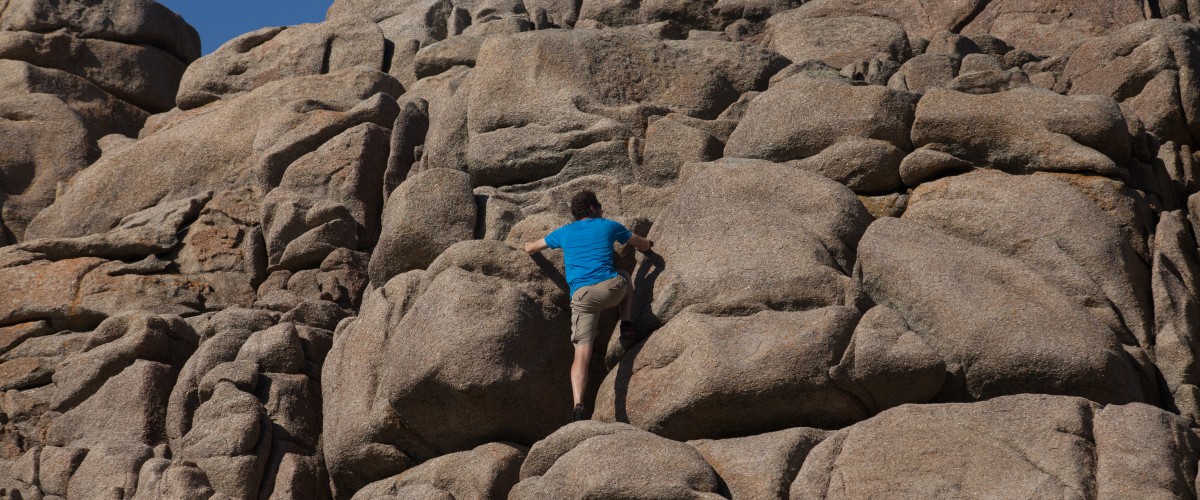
(748, 235)
(590, 460)
(1025, 130)
(472, 350)
(562, 104)
(424, 216)
(1028, 445)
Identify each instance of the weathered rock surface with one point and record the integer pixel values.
(270, 54)
(474, 329)
(1025, 130)
(506, 124)
(761, 466)
(488, 471)
(1081, 328)
(1025, 445)
(802, 262)
(248, 140)
(903, 249)
(427, 214)
(588, 459)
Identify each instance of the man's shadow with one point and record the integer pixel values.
(647, 273)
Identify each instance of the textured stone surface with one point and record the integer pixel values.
(484, 327)
(597, 460)
(802, 261)
(903, 249)
(1034, 445)
(269, 54)
(216, 149)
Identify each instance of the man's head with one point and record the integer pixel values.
(584, 204)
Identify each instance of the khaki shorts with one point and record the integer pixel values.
(589, 301)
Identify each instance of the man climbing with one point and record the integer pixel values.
(596, 284)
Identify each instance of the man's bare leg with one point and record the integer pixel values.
(579, 370)
(626, 307)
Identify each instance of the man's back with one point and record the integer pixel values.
(587, 249)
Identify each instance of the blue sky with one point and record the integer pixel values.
(220, 20)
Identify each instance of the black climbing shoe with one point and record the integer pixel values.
(579, 413)
(630, 335)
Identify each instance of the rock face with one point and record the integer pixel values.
(74, 72)
(909, 249)
(1058, 446)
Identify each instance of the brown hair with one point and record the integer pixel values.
(582, 204)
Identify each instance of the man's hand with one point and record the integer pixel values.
(642, 244)
(533, 247)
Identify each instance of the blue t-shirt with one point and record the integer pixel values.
(588, 250)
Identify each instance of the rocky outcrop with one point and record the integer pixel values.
(1056, 446)
(902, 249)
(74, 72)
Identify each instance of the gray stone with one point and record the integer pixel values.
(45, 143)
(711, 251)
(498, 324)
(761, 466)
(703, 376)
(925, 72)
(488, 471)
(269, 54)
(140, 75)
(834, 111)
(1149, 66)
(214, 149)
(127, 21)
(109, 471)
(837, 41)
(520, 131)
(327, 199)
(101, 113)
(127, 409)
(1064, 342)
(427, 214)
(1025, 130)
(666, 469)
(1176, 300)
(1057, 446)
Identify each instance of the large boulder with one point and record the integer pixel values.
(704, 376)
(250, 140)
(428, 213)
(837, 41)
(1021, 131)
(1023, 284)
(269, 54)
(488, 471)
(761, 466)
(45, 142)
(1028, 446)
(144, 76)
(1151, 67)
(564, 104)
(856, 135)
(592, 460)
(1045, 27)
(471, 351)
(101, 113)
(919, 18)
(135, 22)
(749, 235)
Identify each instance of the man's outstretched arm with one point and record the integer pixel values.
(640, 243)
(532, 247)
